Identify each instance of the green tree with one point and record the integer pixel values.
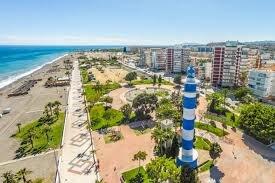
(241, 93)
(47, 129)
(127, 111)
(144, 104)
(215, 150)
(163, 169)
(161, 136)
(49, 107)
(159, 81)
(189, 175)
(258, 120)
(98, 88)
(22, 175)
(8, 177)
(31, 136)
(177, 79)
(140, 155)
(107, 100)
(130, 77)
(154, 79)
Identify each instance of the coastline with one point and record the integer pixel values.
(21, 77)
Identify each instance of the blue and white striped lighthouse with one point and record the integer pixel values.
(187, 155)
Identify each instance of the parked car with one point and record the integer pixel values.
(6, 111)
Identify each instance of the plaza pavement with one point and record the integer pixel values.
(77, 162)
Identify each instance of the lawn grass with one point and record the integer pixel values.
(202, 143)
(127, 176)
(206, 166)
(223, 119)
(85, 76)
(40, 142)
(102, 118)
(150, 81)
(217, 131)
(92, 95)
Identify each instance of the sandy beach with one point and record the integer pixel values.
(27, 108)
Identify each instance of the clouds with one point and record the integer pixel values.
(71, 40)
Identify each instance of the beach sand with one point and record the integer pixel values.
(27, 108)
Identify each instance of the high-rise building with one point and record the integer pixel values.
(178, 59)
(227, 65)
(170, 60)
(158, 58)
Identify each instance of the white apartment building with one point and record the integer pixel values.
(178, 59)
(231, 65)
(262, 82)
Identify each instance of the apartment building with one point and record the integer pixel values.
(178, 59)
(158, 58)
(204, 70)
(227, 65)
(170, 60)
(262, 82)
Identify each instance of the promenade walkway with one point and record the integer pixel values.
(77, 162)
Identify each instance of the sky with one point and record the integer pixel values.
(134, 22)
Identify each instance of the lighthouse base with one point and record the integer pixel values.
(190, 161)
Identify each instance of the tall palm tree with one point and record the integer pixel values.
(19, 127)
(8, 177)
(50, 106)
(57, 104)
(56, 109)
(22, 175)
(31, 136)
(47, 129)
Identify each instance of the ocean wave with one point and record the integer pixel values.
(14, 78)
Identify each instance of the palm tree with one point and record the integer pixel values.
(19, 127)
(47, 129)
(159, 81)
(154, 79)
(68, 74)
(161, 136)
(56, 105)
(22, 175)
(31, 136)
(215, 150)
(50, 106)
(140, 155)
(98, 87)
(8, 177)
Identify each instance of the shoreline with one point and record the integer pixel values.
(9, 82)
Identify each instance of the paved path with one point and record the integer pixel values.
(77, 162)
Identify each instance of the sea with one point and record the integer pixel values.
(19, 61)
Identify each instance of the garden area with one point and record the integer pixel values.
(210, 128)
(202, 143)
(42, 134)
(104, 118)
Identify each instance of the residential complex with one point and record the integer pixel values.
(171, 60)
(262, 82)
(227, 65)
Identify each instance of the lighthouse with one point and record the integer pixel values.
(188, 156)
